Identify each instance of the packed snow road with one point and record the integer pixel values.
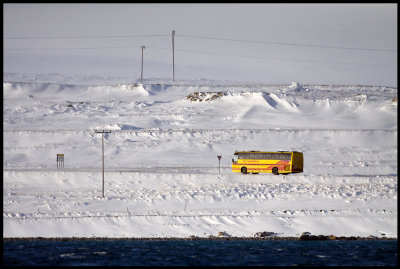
(334, 152)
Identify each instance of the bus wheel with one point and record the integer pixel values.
(275, 171)
(244, 170)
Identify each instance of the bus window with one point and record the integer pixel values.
(243, 156)
(267, 156)
(275, 156)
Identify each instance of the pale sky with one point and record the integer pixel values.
(272, 43)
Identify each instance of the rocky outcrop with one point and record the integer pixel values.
(223, 234)
(204, 96)
(306, 236)
(264, 234)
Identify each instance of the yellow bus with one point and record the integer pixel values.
(280, 162)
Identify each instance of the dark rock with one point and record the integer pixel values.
(264, 234)
(306, 236)
(331, 237)
(223, 234)
(204, 96)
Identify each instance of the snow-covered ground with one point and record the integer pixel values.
(162, 176)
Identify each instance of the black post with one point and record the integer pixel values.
(219, 164)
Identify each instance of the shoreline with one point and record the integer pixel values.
(195, 238)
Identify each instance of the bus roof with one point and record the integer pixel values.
(254, 151)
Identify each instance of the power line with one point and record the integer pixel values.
(208, 53)
(285, 43)
(205, 37)
(81, 48)
(270, 58)
(100, 36)
(197, 52)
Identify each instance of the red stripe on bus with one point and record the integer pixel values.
(278, 163)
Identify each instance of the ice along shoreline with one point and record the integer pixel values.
(210, 238)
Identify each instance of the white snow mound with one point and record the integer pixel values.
(295, 86)
(132, 88)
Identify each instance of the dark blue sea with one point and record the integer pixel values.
(201, 252)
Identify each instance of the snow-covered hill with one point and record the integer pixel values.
(162, 177)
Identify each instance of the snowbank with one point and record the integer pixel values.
(118, 89)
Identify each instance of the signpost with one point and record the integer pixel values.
(219, 163)
(102, 132)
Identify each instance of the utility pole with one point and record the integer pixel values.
(173, 55)
(102, 132)
(141, 70)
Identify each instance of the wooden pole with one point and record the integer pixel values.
(102, 151)
(173, 56)
(141, 69)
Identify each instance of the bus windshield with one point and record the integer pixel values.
(235, 157)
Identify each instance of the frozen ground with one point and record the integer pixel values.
(162, 177)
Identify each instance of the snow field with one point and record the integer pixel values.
(161, 170)
(229, 202)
